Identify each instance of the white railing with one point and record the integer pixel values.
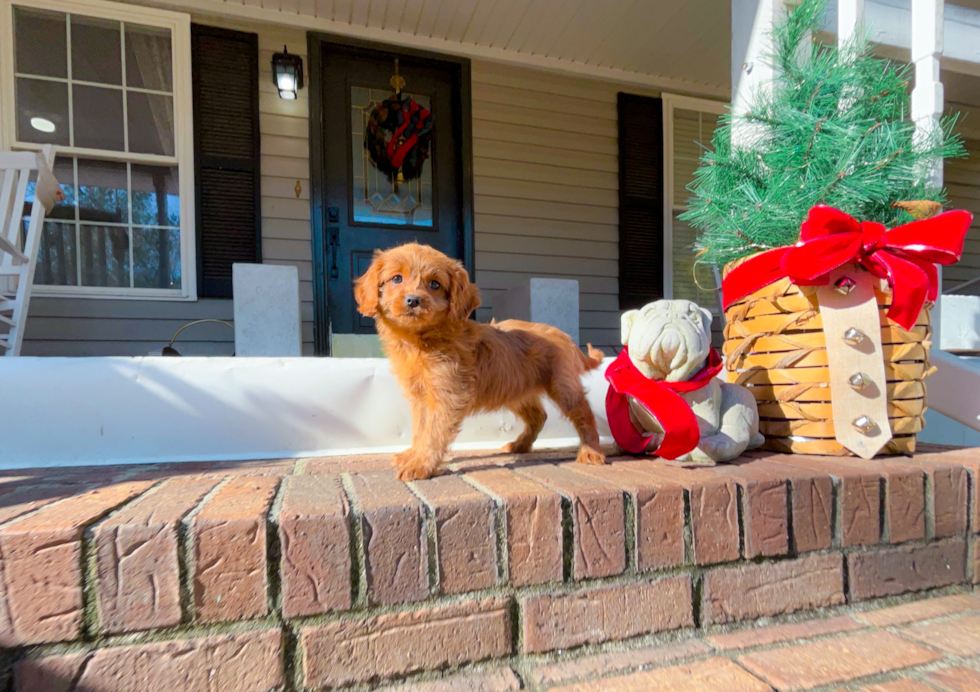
(920, 26)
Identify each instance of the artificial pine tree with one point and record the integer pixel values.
(833, 128)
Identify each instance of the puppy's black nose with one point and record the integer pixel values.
(412, 300)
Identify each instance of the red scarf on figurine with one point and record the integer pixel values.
(661, 399)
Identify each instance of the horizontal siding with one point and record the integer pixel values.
(546, 189)
(90, 327)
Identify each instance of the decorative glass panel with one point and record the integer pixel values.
(377, 199)
(156, 257)
(41, 40)
(104, 256)
(96, 53)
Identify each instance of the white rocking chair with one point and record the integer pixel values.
(18, 250)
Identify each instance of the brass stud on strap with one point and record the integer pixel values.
(858, 381)
(853, 336)
(844, 285)
(864, 424)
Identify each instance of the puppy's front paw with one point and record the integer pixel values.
(593, 457)
(516, 447)
(415, 473)
(403, 459)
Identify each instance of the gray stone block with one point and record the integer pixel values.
(549, 301)
(267, 310)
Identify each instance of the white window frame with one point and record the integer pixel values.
(672, 102)
(179, 24)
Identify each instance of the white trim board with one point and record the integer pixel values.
(93, 411)
(469, 50)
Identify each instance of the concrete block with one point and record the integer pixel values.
(267, 310)
(549, 301)
(960, 323)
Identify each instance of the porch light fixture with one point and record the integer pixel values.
(287, 73)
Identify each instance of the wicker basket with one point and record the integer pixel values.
(774, 345)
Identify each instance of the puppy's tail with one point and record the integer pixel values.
(594, 359)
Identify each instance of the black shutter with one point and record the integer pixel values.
(225, 66)
(641, 200)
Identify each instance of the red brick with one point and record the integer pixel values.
(598, 520)
(899, 686)
(811, 504)
(26, 499)
(712, 674)
(714, 510)
(903, 569)
(41, 570)
(218, 469)
(340, 653)
(905, 501)
(138, 585)
(534, 531)
(592, 616)
(466, 538)
(975, 564)
(926, 609)
(858, 497)
(960, 636)
(230, 549)
(358, 463)
(495, 680)
(314, 537)
(948, 494)
(765, 506)
(249, 661)
(969, 459)
(777, 634)
(747, 592)
(396, 548)
(958, 679)
(616, 662)
(837, 660)
(658, 507)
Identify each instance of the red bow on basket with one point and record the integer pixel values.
(904, 256)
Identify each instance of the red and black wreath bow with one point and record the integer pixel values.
(398, 137)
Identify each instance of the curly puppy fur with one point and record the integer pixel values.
(451, 367)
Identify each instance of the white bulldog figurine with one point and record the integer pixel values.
(669, 340)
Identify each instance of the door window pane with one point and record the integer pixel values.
(377, 199)
(42, 111)
(41, 43)
(95, 50)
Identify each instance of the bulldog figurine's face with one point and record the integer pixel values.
(668, 340)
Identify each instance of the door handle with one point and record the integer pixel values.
(333, 241)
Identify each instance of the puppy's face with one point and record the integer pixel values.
(416, 287)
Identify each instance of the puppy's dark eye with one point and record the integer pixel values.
(396, 279)
(434, 285)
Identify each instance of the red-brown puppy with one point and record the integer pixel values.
(451, 367)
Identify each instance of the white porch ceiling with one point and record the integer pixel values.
(680, 45)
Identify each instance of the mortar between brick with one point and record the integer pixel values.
(358, 559)
(185, 554)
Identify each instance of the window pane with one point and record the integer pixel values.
(105, 256)
(149, 63)
(57, 261)
(40, 40)
(95, 50)
(156, 198)
(102, 192)
(42, 112)
(156, 257)
(98, 117)
(687, 275)
(151, 123)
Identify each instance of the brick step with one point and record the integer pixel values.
(331, 573)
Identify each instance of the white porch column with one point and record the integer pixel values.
(850, 20)
(752, 22)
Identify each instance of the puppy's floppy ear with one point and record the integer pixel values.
(626, 322)
(464, 296)
(366, 287)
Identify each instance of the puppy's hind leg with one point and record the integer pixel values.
(572, 402)
(533, 414)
